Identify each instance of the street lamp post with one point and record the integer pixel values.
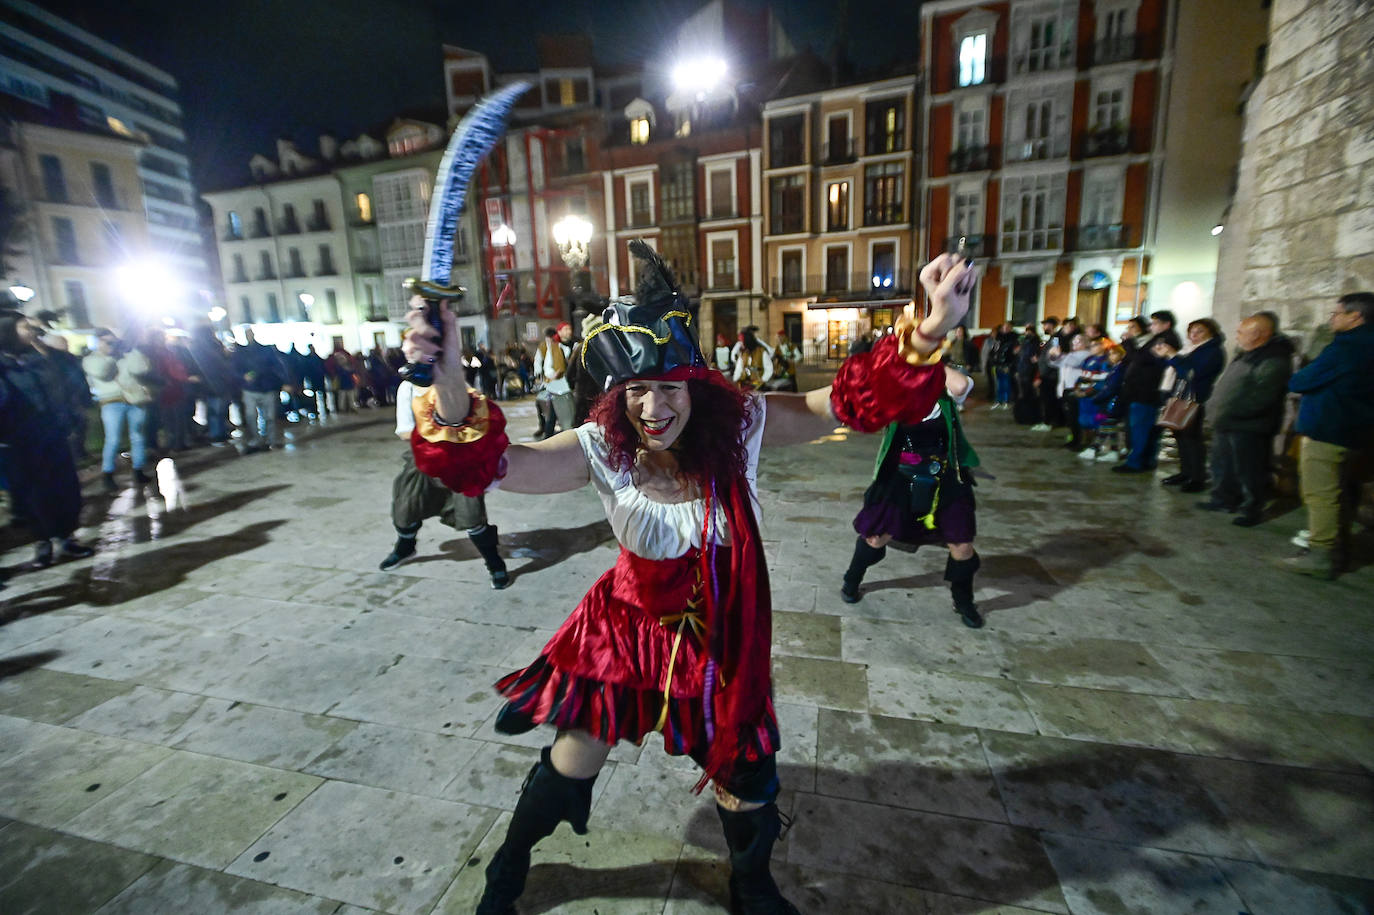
(573, 235)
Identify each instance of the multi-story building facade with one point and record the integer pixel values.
(693, 196)
(317, 251)
(76, 195)
(839, 239)
(1042, 134)
(48, 62)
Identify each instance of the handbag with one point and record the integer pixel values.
(1180, 410)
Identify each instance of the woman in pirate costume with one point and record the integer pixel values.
(676, 637)
(922, 493)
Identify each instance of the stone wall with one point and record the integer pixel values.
(1301, 227)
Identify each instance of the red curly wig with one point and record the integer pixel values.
(711, 447)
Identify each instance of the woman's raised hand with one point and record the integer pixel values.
(948, 282)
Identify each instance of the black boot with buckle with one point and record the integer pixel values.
(546, 800)
(864, 556)
(959, 573)
(750, 835)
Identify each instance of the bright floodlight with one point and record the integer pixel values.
(1217, 229)
(217, 314)
(307, 299)
(503, 236)
(21, 292)
(149, 285)
(701, 75)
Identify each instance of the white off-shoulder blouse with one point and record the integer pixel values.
(663, 530)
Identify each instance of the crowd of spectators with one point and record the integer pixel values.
(1107, 396)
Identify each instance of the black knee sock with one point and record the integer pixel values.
(959, 573)
(864, 556)
(486, 539)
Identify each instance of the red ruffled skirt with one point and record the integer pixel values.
(608, 667)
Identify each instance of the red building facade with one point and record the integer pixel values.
(1042, 135)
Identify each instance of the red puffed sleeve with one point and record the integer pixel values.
(464, 458)
(883, 385)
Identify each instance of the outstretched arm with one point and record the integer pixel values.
(443, 447)
(796, 418)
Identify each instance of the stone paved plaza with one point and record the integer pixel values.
(229, 709)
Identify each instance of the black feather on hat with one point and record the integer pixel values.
(648, 336)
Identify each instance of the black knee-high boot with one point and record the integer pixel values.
(404, 548)
(959, 573)
(750, 835)
(864, 556)
(546, 800)
(485, 538)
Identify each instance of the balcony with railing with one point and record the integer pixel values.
(994, 72)
(317, 224)
(240, 276)
(973, 159)
(639, 219)
(288, 227)
(974, 245)
(1116, 49)
(1030, 241)
(784, 156)
(878, 144)
(260, 229)
(367, 265)
(1110, 141)
(327, 268)
(1100, 238)
(786, 224)
(887, 215)
(1043, 60)
(838, 153)
(266, 274)
(1037, 149)
(863, 285)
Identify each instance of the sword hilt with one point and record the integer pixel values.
(421, 374)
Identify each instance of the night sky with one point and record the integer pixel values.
(254, 70)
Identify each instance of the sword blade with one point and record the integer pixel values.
(475, 135)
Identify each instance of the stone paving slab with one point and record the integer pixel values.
(44, 872)
(1154, 720)
(385, 850)
(172, 887)
(195, 809)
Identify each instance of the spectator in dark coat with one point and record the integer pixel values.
(1246, 410)
(1336, 420)
(40, 467)
(1027, 408)
(1140, 390)
(219, 383)
(1196, 366)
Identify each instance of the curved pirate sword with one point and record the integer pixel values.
(473, 138)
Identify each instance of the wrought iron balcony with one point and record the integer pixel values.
(973, 159)
(784, 156)
(838, 153)
(881, 143)
(974, 245)
(1108, 141)
(1116, 49)
(786, 224)
(1037, 148)
(317, 225)
(888, 215)
(1032, 241)
(865, 285)
(288, 227)
(1100, 238)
